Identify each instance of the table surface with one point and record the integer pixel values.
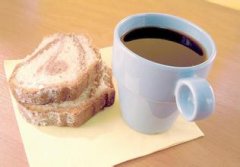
(24, 23)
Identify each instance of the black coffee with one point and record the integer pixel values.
(164, 46)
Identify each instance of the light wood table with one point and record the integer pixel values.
(24, 23)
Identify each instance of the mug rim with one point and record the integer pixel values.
(209, 60)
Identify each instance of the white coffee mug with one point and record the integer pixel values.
(152, 94)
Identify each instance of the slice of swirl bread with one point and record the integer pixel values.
(61, 67)
(73, 113)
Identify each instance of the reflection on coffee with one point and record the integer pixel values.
(164, 46)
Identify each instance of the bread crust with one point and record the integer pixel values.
(72, 117)
(55, 93)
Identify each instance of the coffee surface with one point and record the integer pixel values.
(164, 46)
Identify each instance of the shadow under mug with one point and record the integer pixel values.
(152, 94)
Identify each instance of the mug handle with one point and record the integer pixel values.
(195, 98)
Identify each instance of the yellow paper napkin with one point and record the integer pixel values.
(233, 4)
(105, 140)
